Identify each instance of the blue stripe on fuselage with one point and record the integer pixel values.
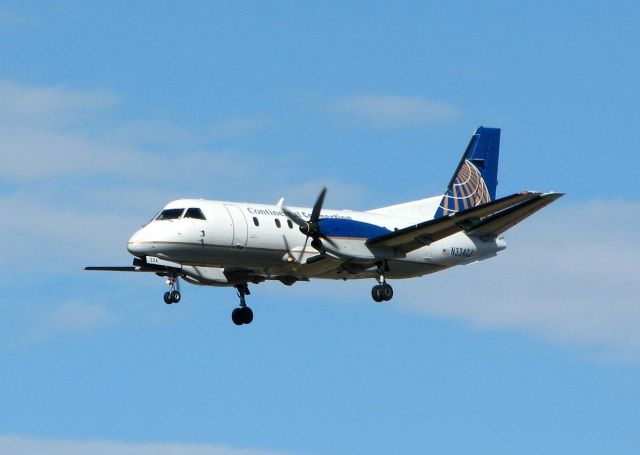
(350, 228)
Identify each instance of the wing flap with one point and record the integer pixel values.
(419, 235)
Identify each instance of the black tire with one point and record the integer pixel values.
(386, 292)
(167, 298)
(247, 315)
(236, 316)
(376, 293)
(175, 296)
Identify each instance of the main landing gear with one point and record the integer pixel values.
(172, 296)
(242, 314)
(383, 291)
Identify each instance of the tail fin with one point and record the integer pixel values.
(476, 177)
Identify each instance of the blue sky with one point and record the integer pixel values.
(108, 111)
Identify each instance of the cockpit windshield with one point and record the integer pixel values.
(194, 212)
(170, 214)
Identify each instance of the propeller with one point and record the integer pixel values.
(292, 258)
(311, 228)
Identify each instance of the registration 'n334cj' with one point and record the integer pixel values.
(458, 252)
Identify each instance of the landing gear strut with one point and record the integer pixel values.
(242, 314)
(383, 291)
(172, 296)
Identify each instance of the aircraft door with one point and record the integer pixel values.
(240, 229)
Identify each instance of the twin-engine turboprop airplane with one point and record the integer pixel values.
(216, 243)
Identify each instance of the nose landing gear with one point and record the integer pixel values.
(242, 314)
(172, 296)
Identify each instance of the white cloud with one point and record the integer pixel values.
(49, 106)
(394, 110)
(45, 133)
(42, 231)
(570, 274)
(32, 154)
(18, 445)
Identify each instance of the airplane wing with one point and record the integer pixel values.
(313, 267)
(319, 264)
(506, 209)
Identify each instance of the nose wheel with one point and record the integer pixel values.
(382, 292)
(173, 295)
(242, 314)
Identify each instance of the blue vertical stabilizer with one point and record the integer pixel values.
(476, 177)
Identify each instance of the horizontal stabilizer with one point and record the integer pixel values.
(498, 223)
(116, 269)
(149, 264)
(416, 236)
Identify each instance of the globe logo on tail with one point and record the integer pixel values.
(468, 190)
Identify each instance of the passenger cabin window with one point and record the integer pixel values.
(290, 224)
(255, 221)
(195, 213)
(277, 222)
(170, 214)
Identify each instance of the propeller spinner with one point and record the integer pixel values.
(311, 228)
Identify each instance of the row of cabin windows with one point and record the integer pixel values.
(174, 214)
(256, 221)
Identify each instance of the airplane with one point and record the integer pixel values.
(233, 244)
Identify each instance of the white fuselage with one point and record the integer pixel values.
(261, 238)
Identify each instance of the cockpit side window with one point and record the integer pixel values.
(194, 212)
(170, 214)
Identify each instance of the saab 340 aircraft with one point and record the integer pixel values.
(218, 243)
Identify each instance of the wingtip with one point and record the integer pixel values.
(553, 195)
(548, 194)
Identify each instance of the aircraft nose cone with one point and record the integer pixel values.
(135, 246)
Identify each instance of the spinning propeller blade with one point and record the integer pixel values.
(315, 214)
(292, 216)
(290, 253)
